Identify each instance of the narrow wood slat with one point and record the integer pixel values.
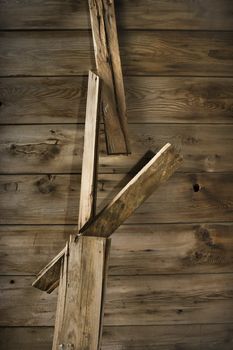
(58, 148)
(35, 100)
(147, 14)
(143, 53)
(130, 300)
(87, 201)
(189, 337)
(136, 249)
(143, 184)
(108, 63)
(29, 199)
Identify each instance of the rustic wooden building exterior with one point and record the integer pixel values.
(170, 282)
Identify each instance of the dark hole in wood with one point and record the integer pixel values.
(12, 281)
(0, 103)
(196, 187)
(179, 311)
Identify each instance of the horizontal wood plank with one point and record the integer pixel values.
(130, 300)
(35, 100)
(53, 199)
(59, 148)
(147, 14)
(188, 337)
(143, 53)
(136, 249)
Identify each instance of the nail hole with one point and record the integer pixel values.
(196, 188)
(0, 103)
(12, 281)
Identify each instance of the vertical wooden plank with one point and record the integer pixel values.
(61, 298)
(104, 287)
(82, 295)
(90, 152)
(107, 56)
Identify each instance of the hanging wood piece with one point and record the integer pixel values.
(107, 56)
(148, 179)
(80, 302)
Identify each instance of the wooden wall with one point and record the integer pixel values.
(171, 268)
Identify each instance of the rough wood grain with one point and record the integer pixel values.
(35, 100)
(188, 337)
(87, 201)
(108, 63)
(58, 148)
(143, 53)
(29, 199)
(146, 14)
(130, 300)
(79, 308)
(157, 171)
(136, 249)
(48, 278)
(143, 184)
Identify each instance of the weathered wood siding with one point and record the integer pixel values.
(171, 265)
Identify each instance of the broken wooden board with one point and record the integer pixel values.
(148, 179)
(80, 301)
(107, 56)
(153, 174)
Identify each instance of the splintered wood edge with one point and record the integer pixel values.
(48, 278)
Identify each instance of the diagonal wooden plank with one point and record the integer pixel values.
(153, 174)
(148, 179)
(107, 56)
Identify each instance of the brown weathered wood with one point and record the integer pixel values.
(143, 53)
(47, 278)
(87, 201)
(29, 199)
(79, 312)
(130, 300)
(180, 100)
(146, 14)
(108, 62)
(190, 337)
(80, 302)
(148, 179)
(136, 249)
(58, 148)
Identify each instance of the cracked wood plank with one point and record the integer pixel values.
(107, 56)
